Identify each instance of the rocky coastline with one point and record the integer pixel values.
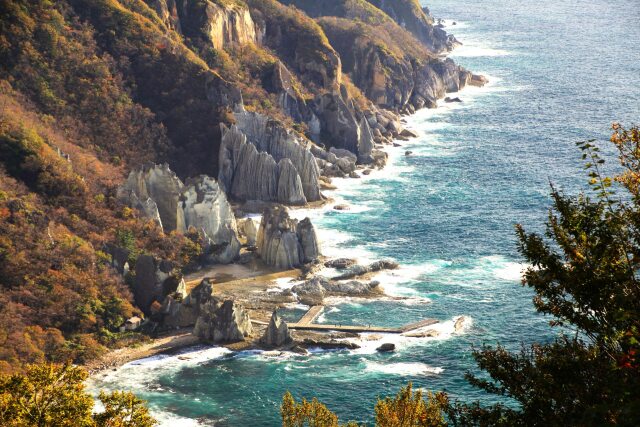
(266, 170)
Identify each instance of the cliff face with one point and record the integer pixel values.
(223, 24)
(261, 160)
(119, 83)
(379, 52)
(200, 204)
(410, 15)
(204, 206)
(229, 26)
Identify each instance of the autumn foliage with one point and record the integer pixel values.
(55, 395)
(406, 409)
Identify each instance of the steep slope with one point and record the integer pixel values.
(256, 93)
(59, 297)
(392, 68)
(410, 16)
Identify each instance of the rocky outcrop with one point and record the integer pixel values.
(154, 279)
(157, 189)
(249, 230)
(409, 15)
(222, 322)
(386, 348)
(308, 240)
(401, 75)
(205, 207)
(361, 270)
(313, 291)
(228, 25)
(261, 160)
(167, 11)
(435, 79)
(184, 310)
(340, 263)
(220, 24)
(280, 81)
(300, 44)
(366, 143)
(277, 333)
(284, 242)
(159, 194)
(338, 123)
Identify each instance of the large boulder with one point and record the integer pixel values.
(283, 242)
(222, 322)
(249, 230)
(277, 332)
(310, 292)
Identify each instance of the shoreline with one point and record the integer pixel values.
(265, 280)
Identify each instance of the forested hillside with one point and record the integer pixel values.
(91, 89)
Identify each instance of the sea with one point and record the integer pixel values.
(559, 72)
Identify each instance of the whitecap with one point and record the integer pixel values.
(472, 48)
(403, 368)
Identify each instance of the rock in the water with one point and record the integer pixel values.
(341, 207)
(478, 81)
(426, 334)
(360, 270)
(352, 288)
(330, 344)
(340, 263)
(311, 292)
(460, 323)
(408, 153)
(449, 100)
(277, 332)
(283, 242)
(386, 347)
(408, 133)
(220, 322)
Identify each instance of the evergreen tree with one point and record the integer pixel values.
(585, 275)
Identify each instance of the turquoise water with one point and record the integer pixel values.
(560, 72)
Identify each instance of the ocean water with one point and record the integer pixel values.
(560, 72)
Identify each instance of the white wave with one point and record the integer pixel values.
(369, 342)
(392, 281)
(140, 376)
(473, 48)
(283, 283)
(501, 268)
(403, 368)
(167, 419)
(452, 24)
